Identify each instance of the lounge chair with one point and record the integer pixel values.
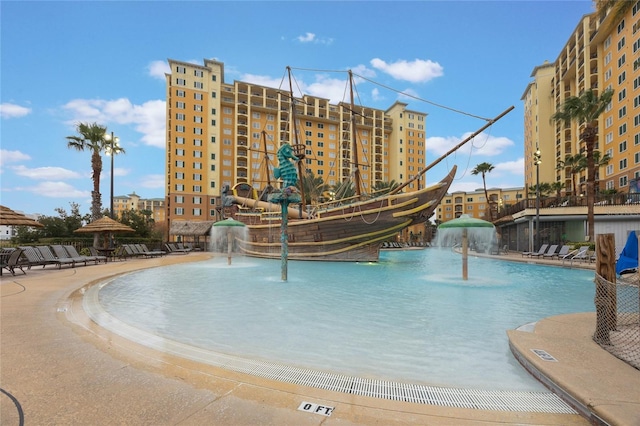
(11, 261)
(71, 250)
(551, 252)
(94, 253)
(62, 258)
(151, 253)
(564, 250)
(540, 252)
(131, 251)
(583, 255)
(62, 253)
(34, 258)
(172, 248)
(579, 254)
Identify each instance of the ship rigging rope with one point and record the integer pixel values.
(399, 92)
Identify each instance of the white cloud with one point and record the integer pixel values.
(515, 167)
(56, 190)
(311, 38)
(7, 156)
(306, 38)
(8, 110)
(417, 71)
(48, 173)
(147, 119)
(158, 69)
(483, 145)
(264, 80)
(152, 181)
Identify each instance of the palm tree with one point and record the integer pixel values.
(313, 187)
(483, 169)
(599, 161)
(585, 110)
(91, 137)
(556, 187)
(382, 188)
(616, 8)
(575, 164)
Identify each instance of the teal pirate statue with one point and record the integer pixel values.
(287, 170)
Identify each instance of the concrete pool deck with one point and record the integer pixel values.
(58, 367)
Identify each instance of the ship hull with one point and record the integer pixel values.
(347, 233)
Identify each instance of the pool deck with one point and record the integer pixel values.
(58, 367)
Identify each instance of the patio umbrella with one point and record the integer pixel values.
(229, 223)
(10, 217)
(463, 223)
(104, 225)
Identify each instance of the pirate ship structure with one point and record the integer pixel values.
(346, 229)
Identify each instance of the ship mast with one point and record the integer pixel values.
(452, 150)
(354, 146)
(298, 149)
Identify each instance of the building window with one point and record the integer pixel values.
(180, 105)
(197, 119)
(622, 129)
(179, 175)
(179, 163)
(179, 187)
(197, 188)
(622, 112)
(622, 77)
(180, 93)
(623, 164)
(623, 146)
(197, 212)
(179, 199)
(198, 108)
(609, 170)
(179, 128)
(181, 82)
(198, 73)
(198, 96)
(198, 84)
(179, 211)
(197, 131)
(623, 181)
(180, 140)
(181, 70)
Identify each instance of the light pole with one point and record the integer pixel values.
(537, 159)
(113, 148)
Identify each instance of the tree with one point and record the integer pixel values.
(483, 169)
(313, 187)
(575, 164)
(585, 110)
(91, 137)
(556, 187)
(344, 189)
(382, 188)
(616, 8)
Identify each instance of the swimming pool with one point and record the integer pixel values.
(408, 318)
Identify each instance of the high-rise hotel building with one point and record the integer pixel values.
(599, 54)
(217, 134)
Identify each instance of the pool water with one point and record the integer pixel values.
(408, 318)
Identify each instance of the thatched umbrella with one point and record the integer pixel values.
(10, 217)
(104, 225)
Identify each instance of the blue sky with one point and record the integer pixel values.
(66, 62)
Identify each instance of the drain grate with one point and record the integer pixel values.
(522, 401)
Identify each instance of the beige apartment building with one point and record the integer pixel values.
(133, 201)
(475, 203)
(220, 134)
(598, 55)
